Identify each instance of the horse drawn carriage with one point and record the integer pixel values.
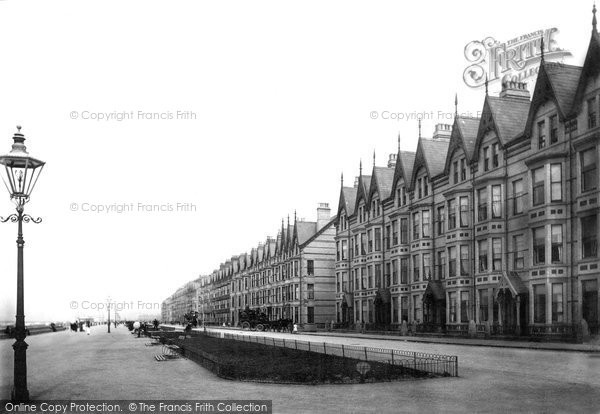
(257, 319)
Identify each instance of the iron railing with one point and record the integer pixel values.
(437, 364)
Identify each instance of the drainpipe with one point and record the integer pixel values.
(571, 198)
(506, 229)
(350, 276)
(473, 246)
(300, 287)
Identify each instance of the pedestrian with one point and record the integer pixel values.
(295, 331)
(88, 327)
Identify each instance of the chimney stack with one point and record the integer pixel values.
(323, 215)
(392, 161)
(515, 90)
(442, 132)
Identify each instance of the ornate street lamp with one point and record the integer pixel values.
(20, 173)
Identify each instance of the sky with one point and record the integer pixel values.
(179, 133)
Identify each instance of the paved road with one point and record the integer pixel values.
(119, 366)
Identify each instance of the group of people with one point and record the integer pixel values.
(81, 326)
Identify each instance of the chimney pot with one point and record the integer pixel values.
(442, 131)
(323, 215)
(392, 161)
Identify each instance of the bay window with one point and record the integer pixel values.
(482, 201)
(517, 197)
(482, 251)
(496, 201)
(464, 260)
(451, 214)
(404, 231)
(555, 182)
(539, 245)
(557, 303)
(589, 172)
(519, 251)
(452, 261)
(497, 254)
(557, 243)
(416, 268)
(426, 266)
(464, 211)
(426, 224)
(416, 226)
(589, 236)
(538, 176)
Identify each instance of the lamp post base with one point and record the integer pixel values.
(20, 393)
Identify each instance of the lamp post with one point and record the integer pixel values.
(108, 303)
(20, 173)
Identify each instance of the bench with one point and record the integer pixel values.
(169, 352)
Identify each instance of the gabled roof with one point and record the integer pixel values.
(347, 200)
(362, 193)
(591, 66)
(464, 135)
(271, 247)
(404, 167)
(506, 116)
(431, 154)
(280, 240)
(288, 238)
(305, 230)
(260, 253)
(382, 181)
(556, 82)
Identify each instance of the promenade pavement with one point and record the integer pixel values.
(68, 365)
(592, 346)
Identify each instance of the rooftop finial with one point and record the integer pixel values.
(398, 141)
(419, 128)
(455, 105)
(594, 18)
(542, 49)
(19, 129)
(373, 158)
(486, 84)
(360, 168)
(295, 218)
(342, 179)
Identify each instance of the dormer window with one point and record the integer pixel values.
(494, 155)
(553, 129)
(419, 189)
(591, 104)
(455, 165)
(541, 129)
(425, 187)
(486, 158)
(463, 170)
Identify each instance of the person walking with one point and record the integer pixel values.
(295, 331)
